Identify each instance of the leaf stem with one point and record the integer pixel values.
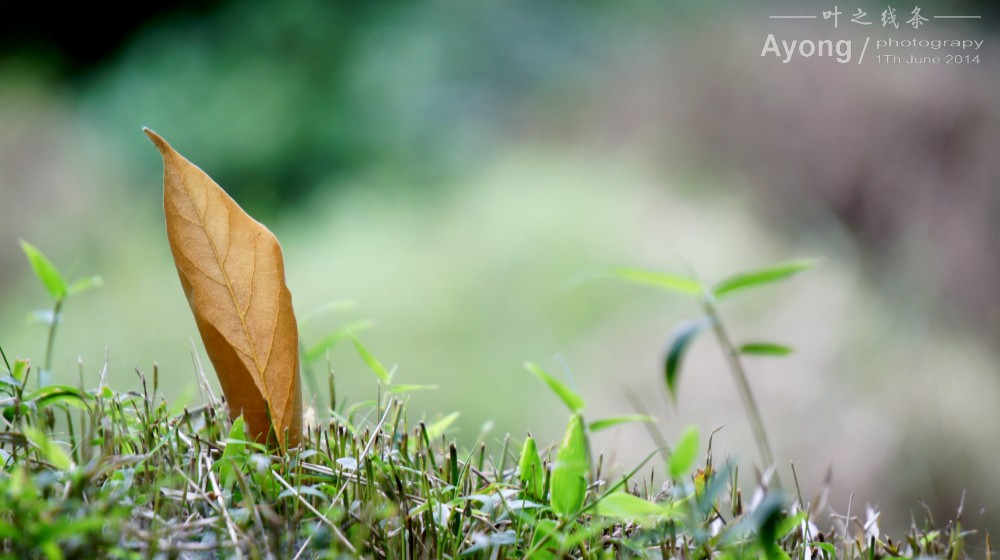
(5, 362)
(50, 345)
(742, 385)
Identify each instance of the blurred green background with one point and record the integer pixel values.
(446, 166)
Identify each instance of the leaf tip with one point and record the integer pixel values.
(158, 141)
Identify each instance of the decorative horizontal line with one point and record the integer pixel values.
(792, 17)
(958, 17)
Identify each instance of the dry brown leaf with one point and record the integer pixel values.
(233, 274)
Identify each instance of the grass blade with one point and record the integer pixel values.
(765, 349)
(373, 364)
(53, 394)
(547, 535)
(569, 472)
(235, 448)
(761, 276)
(605, 423)
(4, 356)
(680, 339)
(664, 280)
(530, 470)
(20, 370)
(685, 453)
(318, 350)
(402, 389)
(437, 428)
(85, 284)
(574, 401)
(46, 271)
(624, 506)
(49, 450)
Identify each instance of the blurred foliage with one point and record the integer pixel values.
(280, 99)
(277, 98)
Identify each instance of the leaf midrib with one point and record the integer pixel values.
(232, 294)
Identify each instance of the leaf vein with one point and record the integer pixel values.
(232, 294)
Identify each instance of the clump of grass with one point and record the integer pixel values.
(131, 480)
(119, 475)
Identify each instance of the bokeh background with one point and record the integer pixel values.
(446, 166)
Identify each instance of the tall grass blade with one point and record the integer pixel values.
(569, 473)
(49, 275)
(664, 280)
(680, 339)
(574, 401)
(685, 453)
(605, 423)
(765, 349)
(373, 364)
(626, 507)
(761, 276)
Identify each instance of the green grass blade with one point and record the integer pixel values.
(664, 280)
(605, 423)
(624, 506)
(55, 394)
(530, 470)
(624, 480)
(829, 549)
(85, 284)
(348, 415)
(764, 522)
(402, 389)
(373, 364)
(318, 350)
(569, 472)
(788, 524)
(680, 339)
(573, 400)
(765, 349)
(235, 448)
(20, 370)
(49, 450)
(761, 276)
(46, 271)
(685, 453)
(546, 540)
(5, 362)
(438, 427)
